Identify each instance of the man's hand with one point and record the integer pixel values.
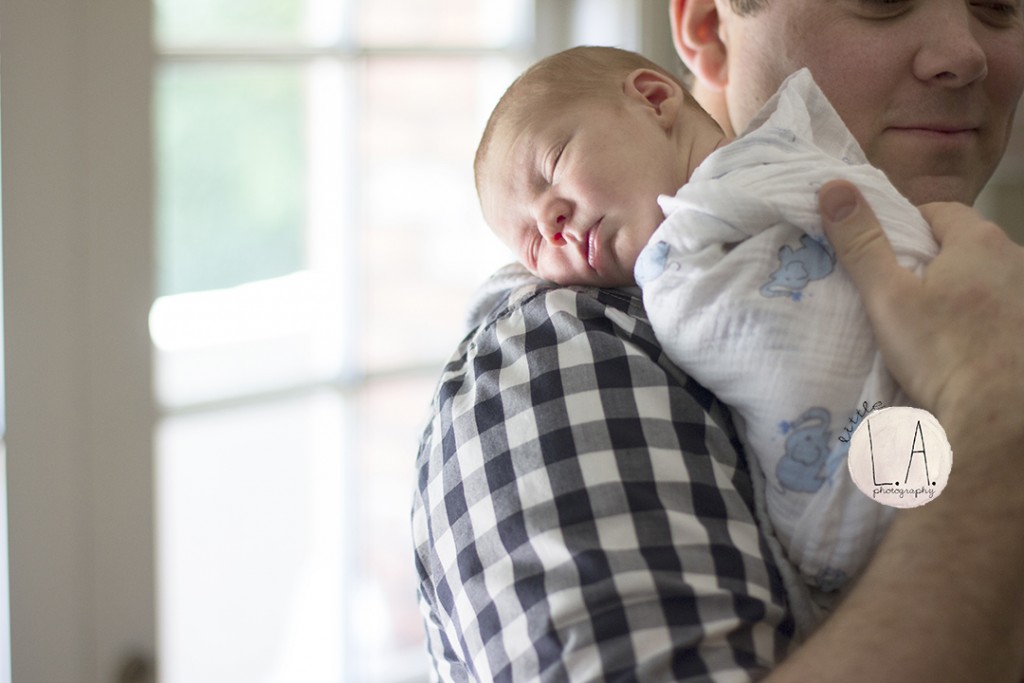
(954, 340)
(943, 596)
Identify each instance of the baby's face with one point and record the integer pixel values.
(574, 194)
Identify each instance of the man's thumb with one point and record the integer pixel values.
(838, 199)
(857, 237)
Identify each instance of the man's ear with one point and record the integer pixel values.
(695, 31)
(659, 92)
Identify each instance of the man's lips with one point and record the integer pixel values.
(937, 130)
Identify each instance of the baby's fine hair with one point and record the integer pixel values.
(564, 77)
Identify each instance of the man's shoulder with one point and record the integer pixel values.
(515, 313)
(540, 344)
(513, 290)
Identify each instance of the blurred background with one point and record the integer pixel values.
(239, 239)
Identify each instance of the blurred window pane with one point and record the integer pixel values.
(252, 543)
(384, 623)
(461, 23)
(319, 240)
(192, 22)
(231, 148)
(422, 218)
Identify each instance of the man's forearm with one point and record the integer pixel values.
(943, 598)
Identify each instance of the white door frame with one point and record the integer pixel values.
(77, 245)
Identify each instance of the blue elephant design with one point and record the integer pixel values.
(798, 267)
(651, 263)
(804, 466)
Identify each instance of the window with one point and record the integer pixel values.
(315, 210)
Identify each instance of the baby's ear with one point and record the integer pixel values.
(656, 90)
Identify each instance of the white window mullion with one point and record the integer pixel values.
(332, 240)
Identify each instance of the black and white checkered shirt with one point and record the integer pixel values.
(583, 510)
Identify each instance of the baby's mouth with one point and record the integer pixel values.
(592, 255)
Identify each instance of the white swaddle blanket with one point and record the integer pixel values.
(744, 293)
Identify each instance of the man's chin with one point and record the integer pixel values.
(924, 189)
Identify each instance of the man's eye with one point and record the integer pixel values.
(998, 11)
(884, 8)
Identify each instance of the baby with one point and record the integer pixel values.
(598, 168)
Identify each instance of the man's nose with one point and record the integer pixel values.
(951, 54)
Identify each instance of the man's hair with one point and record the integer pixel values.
(563, 78)
(747, 7)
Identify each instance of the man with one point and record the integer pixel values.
(929, 89)
(584, 510)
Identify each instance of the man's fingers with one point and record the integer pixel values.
(950, 219)
(860, 244)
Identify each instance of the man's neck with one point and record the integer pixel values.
(713, 102)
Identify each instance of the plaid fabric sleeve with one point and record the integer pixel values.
(583, 511)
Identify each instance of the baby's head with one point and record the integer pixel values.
(575, 155)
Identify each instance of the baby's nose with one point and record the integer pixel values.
(552, 231)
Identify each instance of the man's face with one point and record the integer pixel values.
(928, 87)
(574, 194)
